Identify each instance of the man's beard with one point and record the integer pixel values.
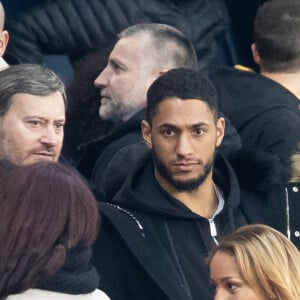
(112, 112)
(12, 152)
(116, 112)
(182, 186)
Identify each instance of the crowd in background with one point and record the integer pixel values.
(149, 151)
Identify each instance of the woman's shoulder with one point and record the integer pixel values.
(49, 295)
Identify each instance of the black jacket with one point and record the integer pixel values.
(265, 114)
(98, 153)
(76, 27)
(153, 247)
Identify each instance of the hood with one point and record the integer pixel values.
(136, 188)
(256, 170)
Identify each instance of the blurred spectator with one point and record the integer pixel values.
(241, 16)
(32, 114)
(76, 28)
(49, 220)
(264, 108)
(255, 262)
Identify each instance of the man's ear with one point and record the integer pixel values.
(220, 131)
(155, 75)
(4, 37)
(255, 54)
(146, 131)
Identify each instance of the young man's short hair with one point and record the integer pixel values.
(184, 84)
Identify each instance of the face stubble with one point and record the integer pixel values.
(182, 186)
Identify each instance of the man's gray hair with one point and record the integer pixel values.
(169, 47)
(32, 79)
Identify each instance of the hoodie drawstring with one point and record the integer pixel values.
(213, 231)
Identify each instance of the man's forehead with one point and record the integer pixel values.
(193, 110)
(36, 98)
(43, 106)
(181, 105)
(130, 46)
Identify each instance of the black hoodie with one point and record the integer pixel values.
(154, 240)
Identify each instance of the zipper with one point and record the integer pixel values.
(287, 206)
(213, 231)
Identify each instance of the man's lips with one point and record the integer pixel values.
(44, 153)
(185, 166)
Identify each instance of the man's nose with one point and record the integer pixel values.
(50, 136)
(102, 79)
(184, 145)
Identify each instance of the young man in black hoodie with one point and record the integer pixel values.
(177, 201)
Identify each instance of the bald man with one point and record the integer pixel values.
(4, 37)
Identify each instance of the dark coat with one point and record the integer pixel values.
(97, 153)
(146, 240)
(84, 123)
(76, 27)
(265, 114)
